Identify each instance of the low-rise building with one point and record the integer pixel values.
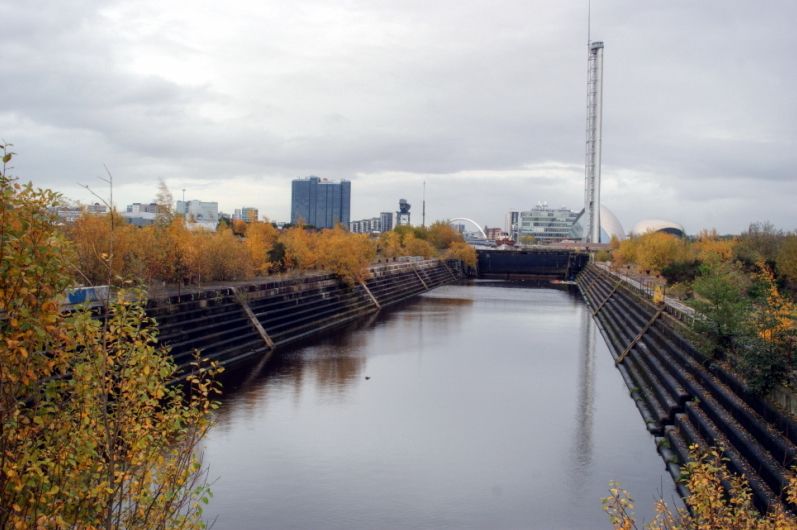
(138, 207)
(494, 234)
(246, 214)
(546, 225)
(199, 211)
(366, 226)
(70, 214)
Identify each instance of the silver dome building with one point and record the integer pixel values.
(658, 225)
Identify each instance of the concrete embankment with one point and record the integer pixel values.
(231, 324)
(685, 398)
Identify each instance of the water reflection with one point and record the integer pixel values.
(484, 407)
(582, 453)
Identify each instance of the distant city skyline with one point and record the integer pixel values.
(483, 102)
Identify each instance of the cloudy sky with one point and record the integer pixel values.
(483, 100)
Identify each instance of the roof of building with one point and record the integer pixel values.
(657, 225)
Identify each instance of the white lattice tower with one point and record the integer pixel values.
(592, 170)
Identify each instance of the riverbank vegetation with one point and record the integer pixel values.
(169, 252)
(92, 435)
(744, 287)
(717, 499)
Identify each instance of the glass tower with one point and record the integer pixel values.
(321, 203)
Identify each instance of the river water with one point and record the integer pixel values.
(472, 406)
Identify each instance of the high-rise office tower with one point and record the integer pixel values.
(320, 202)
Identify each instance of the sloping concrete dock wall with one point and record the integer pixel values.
(234, 323)
(685, 398)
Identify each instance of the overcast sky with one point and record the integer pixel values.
(484, 100)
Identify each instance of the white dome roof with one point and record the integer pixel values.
(611, 225)
(657, 225)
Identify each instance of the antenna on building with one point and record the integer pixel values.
(423, 206)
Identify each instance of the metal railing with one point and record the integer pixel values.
(647, 288)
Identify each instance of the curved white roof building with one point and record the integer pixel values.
(610, 225)
(658, 225)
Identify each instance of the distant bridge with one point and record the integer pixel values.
(472, 222)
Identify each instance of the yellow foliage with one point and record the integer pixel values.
(462, 251)
(625, 252)
(301, 248)
(776, 323)
(171, 252)
(417, 247)
(260, 237)
(92, 434)
(389, 244)
(239, 227)
(442, 235)
(345, 254)
(225, 256)
(711, 504)
(651, 252)
(106, 248)
(656, 250)
(710, 249)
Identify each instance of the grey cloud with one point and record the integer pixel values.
(697, 93)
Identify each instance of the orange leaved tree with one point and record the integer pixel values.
(91, 433)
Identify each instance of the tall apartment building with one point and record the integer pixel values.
(547, 225)
(320, 202)
(512, 224)
(388, 221)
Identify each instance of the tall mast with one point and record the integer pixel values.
(423, 209)
(592, 167)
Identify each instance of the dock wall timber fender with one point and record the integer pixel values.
(250, 320)
(684, 398)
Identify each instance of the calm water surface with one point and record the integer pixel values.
(474, 406)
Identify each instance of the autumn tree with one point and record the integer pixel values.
(786, 259)
(165, 204)
(260, 238)
(657, 250)
(92, 236)
(417, 247)
(345, 254)
(239, 227)
(709, 247)
(761, 241)
(625, 252)
(766, 354)
(227, 256)
(442, 235)
(463, 252)
(717, 499)
(389, 244)
(91, 433)
(301, 250)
